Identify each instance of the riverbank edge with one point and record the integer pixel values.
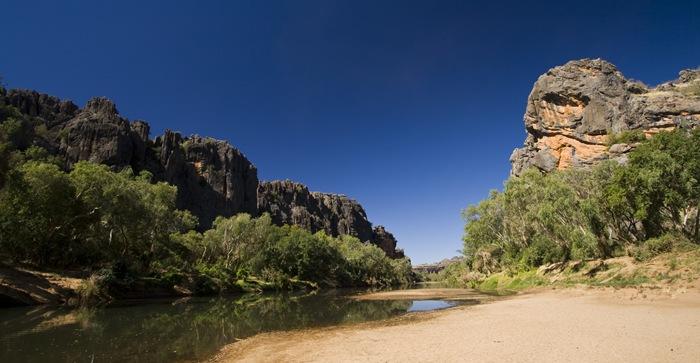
(654, 296)
(25, 286)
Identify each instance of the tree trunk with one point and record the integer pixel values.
(697, 221)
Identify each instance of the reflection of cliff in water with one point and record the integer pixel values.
(172, 331)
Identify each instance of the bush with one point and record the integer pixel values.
(95, 289)
(626, 137)
(667, 243)
(93, 217)
(648, 205)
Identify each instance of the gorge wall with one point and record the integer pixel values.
(575, 111)
(292, 203)
(213, 178)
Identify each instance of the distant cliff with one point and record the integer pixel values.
(575, 112)
(213, 178)
(292, 203)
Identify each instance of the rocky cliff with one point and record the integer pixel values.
(575, 111)
(213, 178)
(288, 202)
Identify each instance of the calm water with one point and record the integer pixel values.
(182, 330)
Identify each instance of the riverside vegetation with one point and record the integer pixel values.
(124, 230)
(611, 224)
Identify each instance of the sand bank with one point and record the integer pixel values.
(587, 325)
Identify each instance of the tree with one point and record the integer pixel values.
(135, 216)
(39, 216)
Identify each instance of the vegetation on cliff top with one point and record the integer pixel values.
(125, 229)
(641, 209)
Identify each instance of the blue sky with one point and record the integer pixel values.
(410, 107)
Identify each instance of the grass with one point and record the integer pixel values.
(680, 266)
(520, 281)
(625, 137)
(92, 291)
(623, 281)
(693, 89)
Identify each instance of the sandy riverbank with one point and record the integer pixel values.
(427, 294)
(591, 325)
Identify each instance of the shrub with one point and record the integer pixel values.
(667, 243)
(626, 137)
(95, 289)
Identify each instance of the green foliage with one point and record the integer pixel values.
(659, 190)
(93, 290)
(37, 214)
(241, 246)
(537, 219)
(88, 217)
(97, 219)
(133, 218)
(502, 282)
(649, 206)
(667, 243)
(626, 137)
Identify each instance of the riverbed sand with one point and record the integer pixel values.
(586, 325)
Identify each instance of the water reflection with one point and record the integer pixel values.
(427, 305)
(182, 330)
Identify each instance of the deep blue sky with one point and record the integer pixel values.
(410, 107)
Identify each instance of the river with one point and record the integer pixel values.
(182, 330)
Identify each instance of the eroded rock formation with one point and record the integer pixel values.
(213, 178)
(98, 134)
(288, 202)
(574, 109)
(386, 241)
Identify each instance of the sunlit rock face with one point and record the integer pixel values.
(573, 109)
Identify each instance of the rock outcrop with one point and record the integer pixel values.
(574, 110)
(49, 109)
(213, 178)
(288, 202)
(386, 241)
(98, 134)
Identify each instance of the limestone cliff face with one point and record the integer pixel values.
(573, 109)
(213, 178)
(288, 202)
(386, 241)
(49, 109)
(98, 134)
